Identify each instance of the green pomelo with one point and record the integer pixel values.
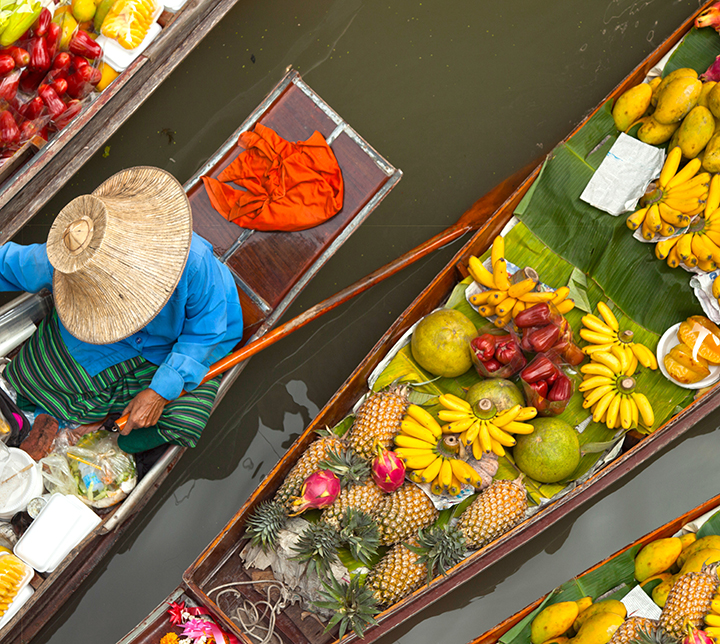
(503, 393)
(551, 453)
(441, 343)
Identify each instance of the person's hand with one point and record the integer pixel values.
(144, 410)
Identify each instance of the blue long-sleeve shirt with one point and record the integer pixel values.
(201, 322)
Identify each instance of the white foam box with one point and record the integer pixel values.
(61, 525)
(120, 58)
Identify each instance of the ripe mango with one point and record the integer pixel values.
(660, 593)
(661, 577)
(598, 629)
(83, 10)
(711, 163)
(657, 556)
(683, 72)
(584, 603)
(552, 621)
(654, 133)
(702, 557)
(631, 105)
(558, 640)
(711, 541)
(702, 100)
(713, 100)
(605, 606)
(677, 99)
(695, 131)
(687, 539)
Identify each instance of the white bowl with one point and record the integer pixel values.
(667, 342)
(33, 487)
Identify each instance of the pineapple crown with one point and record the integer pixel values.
(347, 465)
(360, 534)
(647, 634)
(265, 524)
(319, 545)
(440, 548)
(353, 604)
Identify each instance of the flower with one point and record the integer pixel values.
(176, 613)
(169, 638)
(197, 627)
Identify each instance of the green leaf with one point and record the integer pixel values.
(578, 290)
(711, 526)
(698, 51)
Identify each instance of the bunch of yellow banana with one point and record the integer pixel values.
(505, 299)
(420, 446)
(605, 334)
(674, 200)
(716, 288)
(712, 619)
(608, 389)
(482, 426)
(699, 246)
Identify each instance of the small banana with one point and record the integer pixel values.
(670, 167)
(479, 273)
(425, 419)
(645, 357)
(635, 220)
(608, 316)
(687, 173)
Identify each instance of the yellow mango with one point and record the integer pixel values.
(683, 72)
(552, 621)
(584, 603)
(68, 27)
(598, 629)
(702, 100)
(631, 105)
(711, 541)
(558, 640)
(654, 133)
(657, 556)
(605, 606)
(702, 557)
(677, 99)
(660, 592)
(713, 100)
(83, 10)
(687, 539)
(661, 576)
(711, 159)
(696, 130)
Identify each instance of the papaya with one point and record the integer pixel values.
(700, 558)
(683, 72)
(552, 621)
(702, 99)
(696, 130)
(654, 133)
(657, 556)
(677, 99)
(605, 606)
(598, 629)
(631, 105)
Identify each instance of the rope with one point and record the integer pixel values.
(247, 615)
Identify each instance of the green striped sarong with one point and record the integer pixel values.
(47, 375)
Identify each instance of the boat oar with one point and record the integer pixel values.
(473, 219)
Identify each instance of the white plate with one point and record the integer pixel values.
(667, 342)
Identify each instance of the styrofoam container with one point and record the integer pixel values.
(33, 487)
(61, 525)
(668, 340)
(120, 58)
(21, 596)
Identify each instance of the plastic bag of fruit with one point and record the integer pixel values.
(543, 328)
(497, 354)
(548, 384)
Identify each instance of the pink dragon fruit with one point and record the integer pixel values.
(319, 490)
(388, 471)
(712, 73)
(695, 636)
(709, 18)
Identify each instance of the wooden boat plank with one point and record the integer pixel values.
(213, 563)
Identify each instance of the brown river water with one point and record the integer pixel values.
(459, 95)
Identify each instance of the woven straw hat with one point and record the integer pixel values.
(119, 253)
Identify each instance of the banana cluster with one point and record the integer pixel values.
(608, 389)
(605, 334)
(419, 445)
(712, 619)
(483, 427)
(505, 299)
(674, 200)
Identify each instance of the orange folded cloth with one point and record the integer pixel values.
(288, 186)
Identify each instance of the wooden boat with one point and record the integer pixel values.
(294, 111)
(670, 529)
(38, 170)
(220, 563)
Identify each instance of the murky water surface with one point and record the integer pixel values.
(459, 94)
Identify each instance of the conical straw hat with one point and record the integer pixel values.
(119, 253)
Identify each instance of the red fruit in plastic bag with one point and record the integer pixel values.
(39, 56)
(52, 101)
(544, 338)
(43, 22)
(53, 39)
(536, 315)
(508, 351)
(62, 61)
(30, 81)
(77, 87)
(7, 63)
(562, 389)
(9, 131)
(541, 368)
(28, 129)
(33, 109)
(9, 85)
(492, 365)
(483, 346)
(73, 109)
(60, 86)
(82, 45)
(540, 388)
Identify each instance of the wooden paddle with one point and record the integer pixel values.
(473, 219)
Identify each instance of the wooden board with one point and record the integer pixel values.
(219, 561)
(318, 245)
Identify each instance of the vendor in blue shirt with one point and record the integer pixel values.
(143, 308)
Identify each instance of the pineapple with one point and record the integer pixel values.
(407, 565)
(347, 466)
(352, 604)
(639, 630)
(403, 513)
(364, 497)
(378, 418)
(498, 509)
(264, 525)
(360, 535)
(319, 545)
(307, 464)
(689, 601)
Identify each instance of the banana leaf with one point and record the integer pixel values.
(643, 287)
(697, 50)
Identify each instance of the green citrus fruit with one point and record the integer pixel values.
(503, 393)
(441, 343)
(551, 453)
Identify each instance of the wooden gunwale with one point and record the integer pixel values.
(198, 578)
(666, 530)
(52, 591)
(23, 194)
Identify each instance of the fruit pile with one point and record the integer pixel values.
(698, 349)
(12, 574)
